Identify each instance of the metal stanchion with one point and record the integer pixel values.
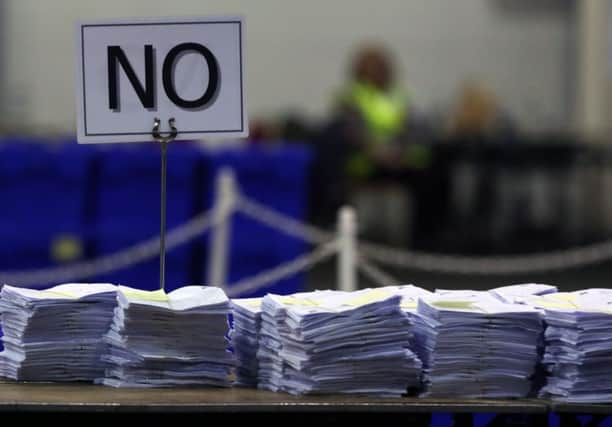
(225, 200)
(347, 256)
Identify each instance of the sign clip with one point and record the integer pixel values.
(157, 135)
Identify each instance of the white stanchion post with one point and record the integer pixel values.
(347, 253)
(225, 200)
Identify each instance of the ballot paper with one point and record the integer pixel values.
(55, 334)
(460, 293)
(337, 342)
(410, 295)
(578, 345)
(167, 340)
(245, 339)
(514, 293)
(473, 345)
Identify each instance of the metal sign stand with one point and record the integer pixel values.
(164, 140)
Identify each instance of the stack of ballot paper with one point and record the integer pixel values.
(578, 345)
(55, 334)
(410, 298)
(245, 339)
(473, 345)
(165, 340)
(337, 342)
(526, 294)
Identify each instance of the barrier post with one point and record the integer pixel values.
(225, 199)
(347, 253)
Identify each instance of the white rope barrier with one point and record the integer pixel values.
(375, 274)
(506, 264)
(139, 252)
(279, 221)
(483, 265)
(149, 248)
(301, 263)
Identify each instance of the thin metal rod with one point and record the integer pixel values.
(162, 231)
(163, 140)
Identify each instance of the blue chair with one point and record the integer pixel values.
(44, 189)
(128, 208)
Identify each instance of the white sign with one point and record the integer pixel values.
(130, 72)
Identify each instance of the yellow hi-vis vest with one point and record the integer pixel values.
(384, 116)
(384, 113)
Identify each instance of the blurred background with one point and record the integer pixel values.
(479, 127)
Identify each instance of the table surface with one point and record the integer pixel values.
(581, 408)
(47, 397)
(88, 398)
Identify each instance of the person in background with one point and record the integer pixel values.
(368, 147)
(478, 115)
(262, 131)
(374, 109)
(478, 119)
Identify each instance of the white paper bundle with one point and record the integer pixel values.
(55, 334)
(167, 340)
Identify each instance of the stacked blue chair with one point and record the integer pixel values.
(43, 218)
(277, 177)
(128, 208)
(69, 202)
